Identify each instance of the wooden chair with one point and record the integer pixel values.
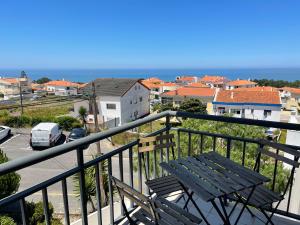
(164, 185)
(262, 197)
(152, 212)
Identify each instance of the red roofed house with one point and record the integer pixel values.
(62, 87)
(262, 105)
(154, 85)
(10, 87)
(206, 95)
(214, 81)
(186, 79)
(240, 84)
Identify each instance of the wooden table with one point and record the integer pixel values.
(213, 177)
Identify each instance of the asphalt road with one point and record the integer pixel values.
(17, 146)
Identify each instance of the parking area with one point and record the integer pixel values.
(17, 146)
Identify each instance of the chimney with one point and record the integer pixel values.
(231, 96)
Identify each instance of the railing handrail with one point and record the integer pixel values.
(38, 157)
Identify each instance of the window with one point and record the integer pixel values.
(111, 106)
(267, 113)
(130, 101)
(141, 99)
(221, 110)
(252, 111)
(135, 87)
(235, 111)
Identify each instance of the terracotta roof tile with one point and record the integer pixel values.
(10, 80)
(241, 82)
(264, 88)
(63, 83)
(292, 90)
(197, 85)
(261, 97)
(213, 79)
(188, 91)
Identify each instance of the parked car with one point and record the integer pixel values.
(4, 132)
(45, 135)
(77, 133)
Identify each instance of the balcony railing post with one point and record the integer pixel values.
(130, 172)
(121, 175)
(178, 144)
(46, 206)
(23, 211)
(228, 151)
(111, 194)
(65, 200)
(83, 201)
(98, 173)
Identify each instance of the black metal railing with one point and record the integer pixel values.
(135, 167)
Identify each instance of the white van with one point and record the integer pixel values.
(45, 135)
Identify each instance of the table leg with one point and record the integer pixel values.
(225, 220)
(223, 204)
(194, 203)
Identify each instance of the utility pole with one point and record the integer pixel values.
(21, 97)
(99, 153)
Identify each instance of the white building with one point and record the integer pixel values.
(239, 84)
(61, 87)
(10, 87)
(121, 100)
(261, 105)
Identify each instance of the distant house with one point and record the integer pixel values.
(240, 84)
(119, 100)
(10, 87)
(61, 87)
(154, 85)
(214, 81)
(197, 85)
(263, 105)
(184, 80)
(176, 97)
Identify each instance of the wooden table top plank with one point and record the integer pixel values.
(209, 175)
(201, 192)
(234, 177)
(251, 175)
(196, 179)
(219, 177)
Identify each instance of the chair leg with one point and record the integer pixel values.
(267, 216)
(249, 210)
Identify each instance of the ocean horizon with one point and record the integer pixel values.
(86, 75)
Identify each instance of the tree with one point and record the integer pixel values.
(193, 105)
(43, 80)
(83, 113)
(90, 184)
(9, 183)
(165, 107)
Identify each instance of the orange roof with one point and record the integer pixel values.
(292, 90)
(186, 78)
(241, 82)
(262, 97)
(10, 80)
(189, 91)
(197, 85)
(169, 84)
(154, 80)
(63, 83)
(213, 79)
(264, 88)
(150, 84)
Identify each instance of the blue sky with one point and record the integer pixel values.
(149, 34)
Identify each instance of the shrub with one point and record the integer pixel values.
(17, 121)
(9, 183)
(67, 122)
(5, 220)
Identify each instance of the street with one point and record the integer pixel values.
(18, 146)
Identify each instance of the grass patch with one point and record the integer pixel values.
(124, 138)
(51, 111)
(151, 127)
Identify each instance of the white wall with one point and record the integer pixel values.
(62, 90)
(131, 106)
(258, 111)
(109, 114)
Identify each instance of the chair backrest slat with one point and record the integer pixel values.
(279, 157)
(281, 147)
(147, 144)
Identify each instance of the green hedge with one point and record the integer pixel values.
(66, 122)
